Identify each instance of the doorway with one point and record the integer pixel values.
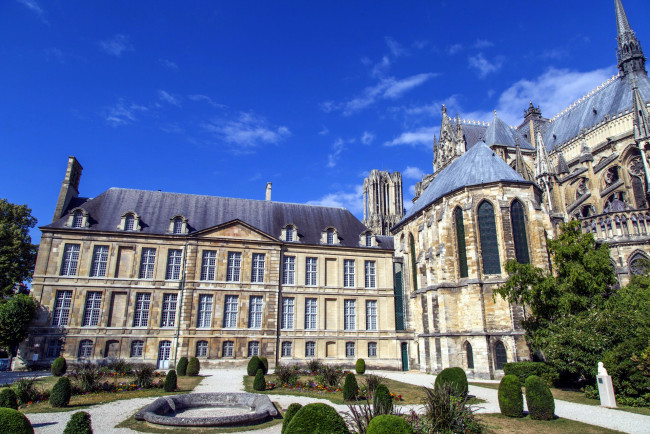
(164, 352)
(405, 356)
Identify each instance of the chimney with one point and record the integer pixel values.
(69, 187)
(268, 192)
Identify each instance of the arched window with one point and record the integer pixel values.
(470, 355)
(129, 222)
(77, 219)
(202, 349)
(518, 220)
(85, 349)
(330, 236)
(460, 240)
(500, 356)
(414, 269)
(639, 264)
(489, 245)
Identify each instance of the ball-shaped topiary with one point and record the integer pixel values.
(59, 366)
(253, 365)
(193, 367)
(454, 377)
(382, 402)
(8, 399)
(289, 414)
(511, 401)
(360, 367)
(259, 383)
(389, 424)
(265, 363)
(61, 393)
(541, 405)
(14, 422)
(350, 387)
(170, 381)
(181, 367)
(317, 418)
(79, 424)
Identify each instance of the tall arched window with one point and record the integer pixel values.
(489, 245)
(460, 240)
(518, 220)
(500, 356)
(414, 269)
(470, 355)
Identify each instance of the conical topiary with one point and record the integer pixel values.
(181, 367)
(170, 381)
(259, 383)
(193, 367)
(265, 363)
(61, 393)
(350, 387)
(253, 365)
(79, 423)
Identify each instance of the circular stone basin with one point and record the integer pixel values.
(208, 409)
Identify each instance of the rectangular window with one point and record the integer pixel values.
(54, 347)
(311, 271)
(348, 273)
(257, 272)
(205, 311)
(174, 258)
(234, 267)
(100, 259)
(310, 313)
(349, 315)
(147, 263)
(372, 349)
(370, 274)
(289, 270)
(141, 312)
(287, 313)
(137, 348)
(91, 310)
(168, 317)
(228, 349)
(371, 315)
(208, 265)
(85, 349)
(230, 312)
(286, 349)
(310, 349)
(253, 349)
(349, 349)
(255, 312)
(70, 260)
(202, 349)
(61, 309)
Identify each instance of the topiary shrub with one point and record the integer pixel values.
(456, 378)
(8, 399)
(170, 381)
(524, 370)
(61, 393)
(382, 402)
(389, 424)
(253, 365)
(59, 366)
(289, 414)
(541, 405)
(350, 387)
(360, 367)
(511, 401)
(79, 423)
(193, 367)
(14, 422)
(317, 418)
(181, 367)
(265, 364)
(259, 383)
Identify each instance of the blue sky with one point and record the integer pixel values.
(220, 98)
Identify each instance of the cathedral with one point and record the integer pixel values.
(153, 276)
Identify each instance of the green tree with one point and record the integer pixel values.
(17, 253)
(15, 313)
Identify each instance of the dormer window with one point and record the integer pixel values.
(368, 238)
(130, 221)
(289, 234)
(330, 236)
(78, 218)
(178, 225)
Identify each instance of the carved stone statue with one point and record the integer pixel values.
(601, 369)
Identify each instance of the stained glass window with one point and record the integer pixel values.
(489, 245)
(518, 220)
(460, 239)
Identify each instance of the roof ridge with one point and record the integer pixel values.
(588, 95)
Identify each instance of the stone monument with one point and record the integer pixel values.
(605, 387)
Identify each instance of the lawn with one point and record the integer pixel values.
(497, 423)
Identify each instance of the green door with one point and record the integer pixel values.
(405, 356)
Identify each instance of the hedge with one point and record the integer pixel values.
(14, 422)
(541, 405)
(524, 370)
(79, 423)
(511, 400)
(456, 378)
(289, 414)
(61, 393)
(317, 418)
(389, 424)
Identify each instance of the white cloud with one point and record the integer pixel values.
(421, 136)
(483, 43)
(413, 173)
(367, 138)
(395, 48)
(168, 64)
(351, 200)
(324, 131)
(117, 45)
(455, 48)
(246, 131)
(168, 98)
(337, 148)
(33, 6)
(483, 66)
(204, 98)
(123, 113)
(381, 68)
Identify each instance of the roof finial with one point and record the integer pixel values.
(495, 113)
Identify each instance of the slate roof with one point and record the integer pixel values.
(473, 134)
(613, 98)
(156, 208)
(500, 133)
(479, 165)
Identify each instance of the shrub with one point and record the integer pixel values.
(446, 412)
(170, 381)
(253, 365)
(144, 375)
(524, 370)
(26, 390)
(286, 374)
(511, 401)
(382, 402)
(314, 365)
(8, 399)
(79, 423)
(181, 367)
(350, 387)
(259, 383)
(456, 378)
(14, 422)
(389, 424)
(119, 366)
(360, 367)
(330, 376)
(193, 367)
(88, 377)
(624, 363)
(59, 366)
(317, 418)
(289, 414)
(541, 405)
(371, 382)
(61, 393)
(265, 363)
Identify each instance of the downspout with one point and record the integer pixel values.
(278, 322)
(180, 303)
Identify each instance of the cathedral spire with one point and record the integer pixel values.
(641, 120)
(630, 54)
(542, 165)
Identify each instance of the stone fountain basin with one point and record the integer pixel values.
(163, 410)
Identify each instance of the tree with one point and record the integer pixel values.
(17, 253)
(15, 313)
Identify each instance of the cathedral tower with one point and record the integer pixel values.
(630, 54)
(383, 203)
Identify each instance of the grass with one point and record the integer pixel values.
(497, 423)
